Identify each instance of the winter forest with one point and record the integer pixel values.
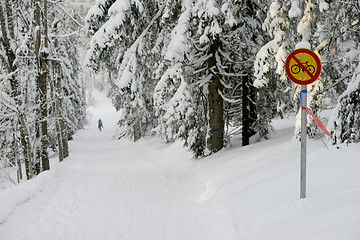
(199, 72)
(42, 97)
(203, 71)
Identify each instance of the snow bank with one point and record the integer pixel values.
(260, 184)
(15, 196)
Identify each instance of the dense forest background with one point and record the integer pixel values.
(202, 71)
(199, 71)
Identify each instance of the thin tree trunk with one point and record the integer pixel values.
(43, 96)
(248, 110)
(59, 140)
(65, 142)
(245, 112)
(27, 150)
(17, 159)
(41, 54)
(38, 65)
(61, 125)
(137, 131)
(57, 108)
(216, 110)
(137, 126)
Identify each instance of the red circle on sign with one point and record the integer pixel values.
(312, 77)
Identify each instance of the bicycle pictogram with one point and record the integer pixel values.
(295, 69)
(303, 66)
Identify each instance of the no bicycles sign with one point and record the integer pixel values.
(303, 66)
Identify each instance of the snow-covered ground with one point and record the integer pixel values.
(110, 189)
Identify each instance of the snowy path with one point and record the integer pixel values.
(112, 189)
(120, 190)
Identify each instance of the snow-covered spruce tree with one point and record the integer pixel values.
(180, 106)
(270, 79)
(210, 24)
(345, 122)
(124, 40)
(221, 39)
(97, 16)
(341, 46)
(337, 33)
(287, 23)
(182, 94)
(242, 42)
(204, 62)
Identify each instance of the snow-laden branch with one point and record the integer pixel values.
(8, 102)
(339, 80)
(66, 35)
(202, 59)
(104, 33)
(326, 42)
(174, 72)
(178, 44)
(22, 16)
(227, 74)
(66, 12)
(129, 59)
(261, 65)
(230, 100)
(352, 86)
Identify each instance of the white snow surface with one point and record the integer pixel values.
(116, 189)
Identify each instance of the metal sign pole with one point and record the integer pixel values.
(303, 67)
(303, 142)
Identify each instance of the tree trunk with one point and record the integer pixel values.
(59, 140)
(16, 156)
(41, 55)
(61, 126)
(248, 110)
(245, 112)
(137, 131)
(57, 108)
(27, 149)
(64, 133)
(216, 110)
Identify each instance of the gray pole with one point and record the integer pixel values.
(303, 142)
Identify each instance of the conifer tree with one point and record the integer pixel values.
(339, 37)
(345, 122)
(242, 43)
(203, 69)
(126, 44)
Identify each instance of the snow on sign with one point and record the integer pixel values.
(303, 66)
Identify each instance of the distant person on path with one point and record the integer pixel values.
(100, 125)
